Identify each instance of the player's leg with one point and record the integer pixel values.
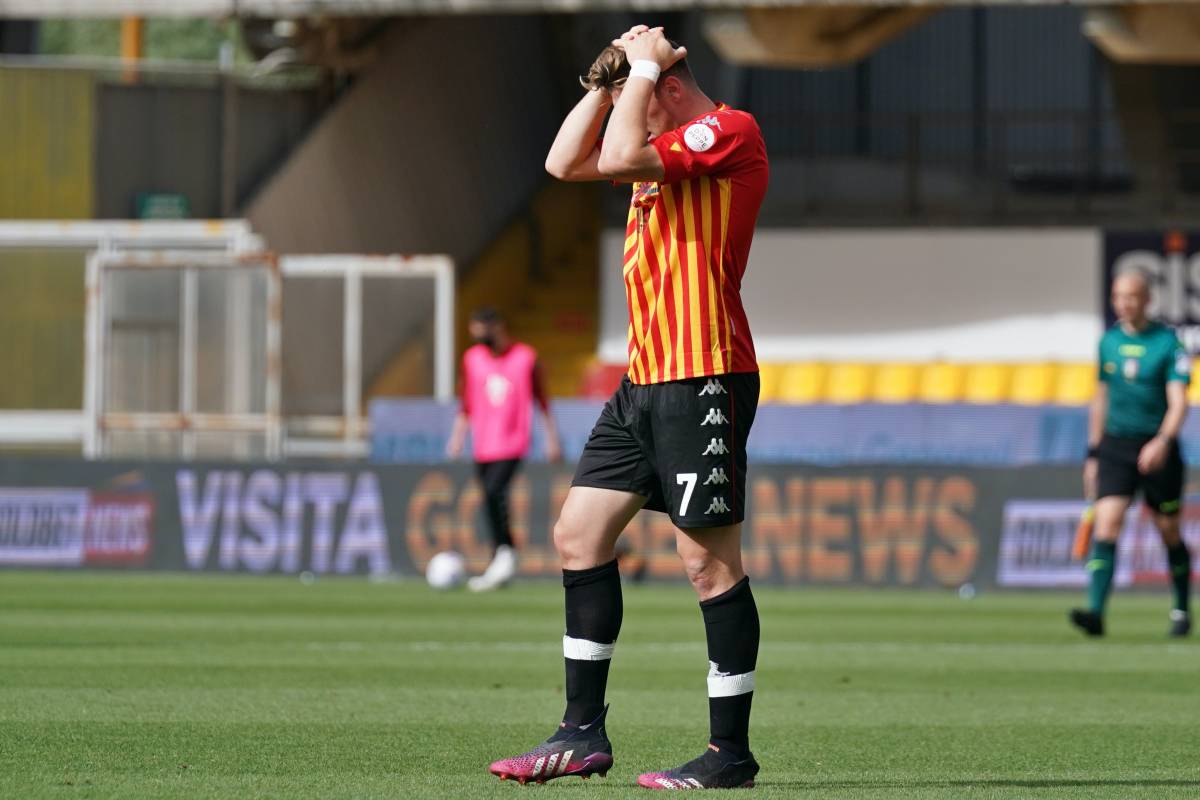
(496, 477)
(702, 430)
(1102, 562)
(1117, 480)
(712, 559)
(612, 482)
(585, 537)
(1164, 497)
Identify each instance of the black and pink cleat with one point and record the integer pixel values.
(713, 770)
(582, 750)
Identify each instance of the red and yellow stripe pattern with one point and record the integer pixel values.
(685, 312)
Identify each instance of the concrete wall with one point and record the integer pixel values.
(1000, 294)
(438, 145)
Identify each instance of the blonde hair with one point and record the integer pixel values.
(608, 71)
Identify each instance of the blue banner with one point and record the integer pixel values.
(406, 431)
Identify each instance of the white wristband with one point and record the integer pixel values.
(645, 68)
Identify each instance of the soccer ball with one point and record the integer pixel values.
(446, 570)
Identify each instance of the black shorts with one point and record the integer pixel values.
(682, 444)
(1118, 475)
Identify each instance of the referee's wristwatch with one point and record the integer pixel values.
(1093, 451)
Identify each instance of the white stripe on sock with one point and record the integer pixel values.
(721, 685)
(583, 650)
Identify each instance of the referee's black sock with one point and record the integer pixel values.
(731, 626)
(593, 599)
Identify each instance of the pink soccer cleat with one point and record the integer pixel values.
(713, 770)
(582, 750)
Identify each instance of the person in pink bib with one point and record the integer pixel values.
(501, 379)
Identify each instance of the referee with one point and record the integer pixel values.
(1133, 445)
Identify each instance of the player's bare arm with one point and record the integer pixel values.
(574, 154)
(1097, 414)
(626, 154)
(1154, 454)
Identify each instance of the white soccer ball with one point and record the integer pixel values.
(446, 570)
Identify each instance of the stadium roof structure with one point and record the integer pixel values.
(36, 9)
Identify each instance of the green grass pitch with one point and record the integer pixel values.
(140, 686)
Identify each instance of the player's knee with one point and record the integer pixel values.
(567, 540)
(703, 572)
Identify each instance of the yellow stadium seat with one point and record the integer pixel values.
(941, 383)
(987, 383)
(1032, 384)
(896, 383)
(770, 377)
(849, 383)
(1075, 384)
(1194, 386)
(802, 383)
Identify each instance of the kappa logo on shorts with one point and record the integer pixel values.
(712, 387)
(717, 477)
(716, 447)
(715, 417)
(717, 506)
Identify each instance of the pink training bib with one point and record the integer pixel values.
(498, 400)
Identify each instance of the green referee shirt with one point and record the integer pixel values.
(1137, 370)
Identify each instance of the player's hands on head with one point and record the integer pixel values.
(642, 43)
(629, 35)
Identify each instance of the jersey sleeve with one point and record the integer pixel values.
(1101, 373)
(1180, 368)
(717, 144)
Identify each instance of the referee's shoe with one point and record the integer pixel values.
(1087, 621)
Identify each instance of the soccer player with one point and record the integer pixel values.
(501, 379)
(1133, 429)
(673, 436)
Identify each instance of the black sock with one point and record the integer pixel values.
(731, 626)
(593, 599)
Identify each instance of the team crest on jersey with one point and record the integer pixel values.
(1129, 368)
(645, 194)
(497, 389)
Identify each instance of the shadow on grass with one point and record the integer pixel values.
(995, 783)
(1016, 783)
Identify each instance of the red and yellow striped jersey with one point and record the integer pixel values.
(686, 247)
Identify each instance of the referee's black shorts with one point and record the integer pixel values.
(681, 444)
(1118, 475)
